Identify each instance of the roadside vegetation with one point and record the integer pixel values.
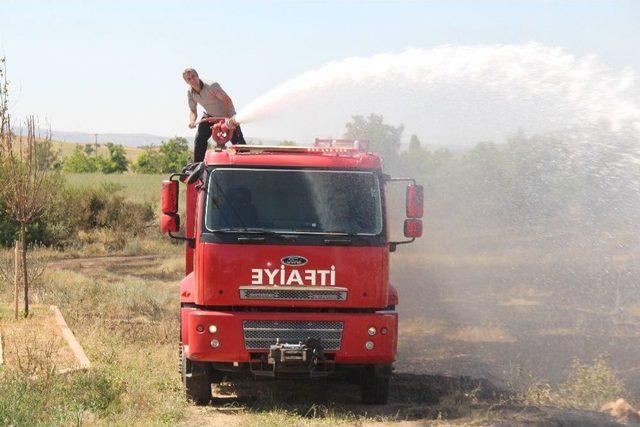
(124, 317)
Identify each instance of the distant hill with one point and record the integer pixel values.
(126, 139)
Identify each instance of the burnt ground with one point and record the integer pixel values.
(496, 313)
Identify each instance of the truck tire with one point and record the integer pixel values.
(374, 387)
(195, 380)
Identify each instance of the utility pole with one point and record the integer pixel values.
(95, 143)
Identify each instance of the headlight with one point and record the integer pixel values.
(368, 345)
(371, 331)
(215, 343)
(213, 329)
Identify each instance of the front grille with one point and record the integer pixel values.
(300, 294)
(261, 334)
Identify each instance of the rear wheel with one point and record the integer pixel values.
(374, 385)
(195, 380)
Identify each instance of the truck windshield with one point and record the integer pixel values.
(294, 201)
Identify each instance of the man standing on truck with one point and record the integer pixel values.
(215, 102)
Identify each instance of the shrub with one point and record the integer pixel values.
(589, 386)
(80, 162)
(149, 161)
(170, 157)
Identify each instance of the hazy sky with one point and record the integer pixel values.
(115, 66)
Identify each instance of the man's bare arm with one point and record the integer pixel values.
(192, 119)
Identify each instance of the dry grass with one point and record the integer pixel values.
(480, 334)
(420, 326)
(128, 328)
(587, 386)
(35, 345)
(633, 310)
(135, 187)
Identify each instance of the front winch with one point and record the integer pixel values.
(293, 359)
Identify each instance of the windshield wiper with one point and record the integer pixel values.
(253, 230)
(344, 237)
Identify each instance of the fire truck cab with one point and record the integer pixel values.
(287, 265)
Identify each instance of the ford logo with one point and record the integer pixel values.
(294, 260)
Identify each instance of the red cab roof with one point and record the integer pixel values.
(334, 156)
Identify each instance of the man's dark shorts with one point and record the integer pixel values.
(202, 139)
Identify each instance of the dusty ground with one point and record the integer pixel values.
(466, 329)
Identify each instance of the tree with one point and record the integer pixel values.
(414, 142)
(117, 161)
(170, 157)
(80, 162)
(149, 161)
(384, 139)
(288, 143)
(26, 192)
(175, 154)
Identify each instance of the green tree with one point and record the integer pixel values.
(80, 162)
(170, 157)
(175, 154)
(149, 161)
(288, 143)
(117, 160)
(384, 138)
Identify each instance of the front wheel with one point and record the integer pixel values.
(374, 386)
(195, 380)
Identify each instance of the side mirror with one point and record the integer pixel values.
(415, 201)
(412, 228)
(169, 218)
(169, 223)
(414, 210)
(169, 197)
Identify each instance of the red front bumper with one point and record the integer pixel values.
(230, 335)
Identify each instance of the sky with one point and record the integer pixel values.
(115, 66)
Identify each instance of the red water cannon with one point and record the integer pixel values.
(221, 132)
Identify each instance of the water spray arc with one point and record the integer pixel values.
(483, 90)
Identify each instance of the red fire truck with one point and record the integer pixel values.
(287, 265)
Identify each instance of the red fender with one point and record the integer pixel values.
(188, 289)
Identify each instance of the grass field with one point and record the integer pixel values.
(136, 187)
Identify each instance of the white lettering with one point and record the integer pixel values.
(256, 276)
(323, 277)
(271, 274)
(310, 275)
(295, 277)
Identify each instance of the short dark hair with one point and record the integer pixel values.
(189, 70)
